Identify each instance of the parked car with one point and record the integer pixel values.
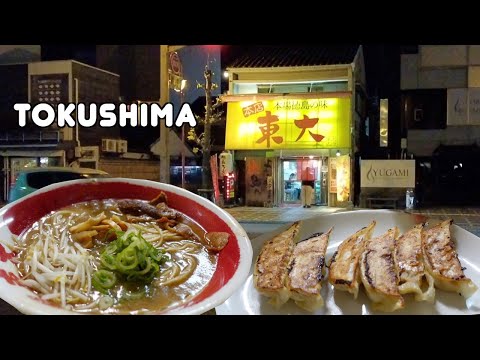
(30, 179)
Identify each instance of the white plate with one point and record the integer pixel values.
(247, 301)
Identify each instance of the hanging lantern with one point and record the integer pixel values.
(226, 163)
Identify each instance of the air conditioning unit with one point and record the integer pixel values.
(122, 146)
(89, 153)
(109, 145)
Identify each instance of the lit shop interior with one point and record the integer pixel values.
(278, 143)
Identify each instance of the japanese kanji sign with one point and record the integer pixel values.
(289, 124)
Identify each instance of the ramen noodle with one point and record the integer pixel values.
(117, 256)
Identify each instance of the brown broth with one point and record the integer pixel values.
(159, 298)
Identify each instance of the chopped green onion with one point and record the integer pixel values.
(103, 280)
(129, 257)
(105, 302)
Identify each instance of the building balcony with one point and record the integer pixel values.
(30, 138)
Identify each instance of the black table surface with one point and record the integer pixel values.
(7, 309)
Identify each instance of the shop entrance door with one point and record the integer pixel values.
(297, 169)
(321, 183)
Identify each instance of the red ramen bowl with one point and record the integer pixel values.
(232, 266)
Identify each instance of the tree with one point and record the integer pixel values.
(203, 140)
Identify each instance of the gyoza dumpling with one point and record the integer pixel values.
(441, 261)
(379, 273)
(271, 268)
(410, 267)
(344, 270)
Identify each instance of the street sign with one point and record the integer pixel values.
(175, 72)
(175, 64)
(175, 82)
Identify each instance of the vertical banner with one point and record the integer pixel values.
(333, 175)
(268, 166)
(214, 171)
(383, 122)
(343, 177)
(226, 163)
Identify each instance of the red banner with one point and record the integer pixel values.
(307, 169)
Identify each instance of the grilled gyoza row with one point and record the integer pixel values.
(391, 265)
(388, 265)
(288, 269)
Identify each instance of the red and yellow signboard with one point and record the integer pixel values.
(288, 124)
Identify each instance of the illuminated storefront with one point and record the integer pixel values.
(292, 125)
(289, 123)
(314, 126)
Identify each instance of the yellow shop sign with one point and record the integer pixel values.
(288, 124)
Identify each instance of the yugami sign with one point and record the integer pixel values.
(387, 173)
(289, 124)
(463, 106)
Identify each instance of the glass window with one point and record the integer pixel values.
(243, 89)
(66, 176)
(290, 88)
(38, 180)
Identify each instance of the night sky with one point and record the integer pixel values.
(382, 62)
(82, 53)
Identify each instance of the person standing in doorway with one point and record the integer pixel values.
(307, 191)
(308, 183)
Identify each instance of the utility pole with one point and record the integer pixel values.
(164, 131)
(207, 127)
(165, 98)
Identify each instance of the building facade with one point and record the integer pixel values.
(54, 82)
(293, 115)
(441, 117)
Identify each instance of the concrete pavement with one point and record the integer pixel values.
(467, 218)
(279, 215)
